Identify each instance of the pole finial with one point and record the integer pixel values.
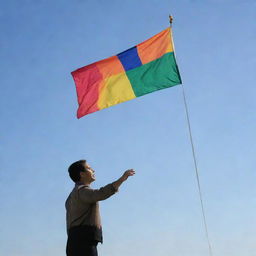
(171, 19)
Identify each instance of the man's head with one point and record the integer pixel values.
(80, 171)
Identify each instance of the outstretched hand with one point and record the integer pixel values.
(127, 174)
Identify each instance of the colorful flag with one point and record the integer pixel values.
(144, 68)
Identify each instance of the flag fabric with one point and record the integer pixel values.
(144, 68)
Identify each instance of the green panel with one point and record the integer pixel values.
(155, 75)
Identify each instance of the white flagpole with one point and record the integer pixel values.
(194, 156)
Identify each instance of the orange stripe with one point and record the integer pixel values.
(110, 66)
(155, 47)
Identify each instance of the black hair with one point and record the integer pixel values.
(75, 169)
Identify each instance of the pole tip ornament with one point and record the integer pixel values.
(171, 19)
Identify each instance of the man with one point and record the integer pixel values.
(82, 209)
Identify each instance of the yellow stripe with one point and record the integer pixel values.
(114, 90)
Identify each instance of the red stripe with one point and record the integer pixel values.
(87, 80)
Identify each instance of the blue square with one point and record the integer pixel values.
(130, 58)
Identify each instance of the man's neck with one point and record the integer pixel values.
(83, 182)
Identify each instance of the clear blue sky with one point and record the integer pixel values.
(157, 212)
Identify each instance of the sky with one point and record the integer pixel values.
(156, 212)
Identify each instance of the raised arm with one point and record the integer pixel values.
(123, 178)
(89, 195)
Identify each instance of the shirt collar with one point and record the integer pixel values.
(78, 184)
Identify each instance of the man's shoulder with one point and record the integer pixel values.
(77, 190)
(84, 189)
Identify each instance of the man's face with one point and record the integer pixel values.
(89, 174)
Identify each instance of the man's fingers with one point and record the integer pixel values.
(128, 173)
(131, 172)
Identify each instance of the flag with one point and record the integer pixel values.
(144, 68)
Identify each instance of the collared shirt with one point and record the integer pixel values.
(82, 210)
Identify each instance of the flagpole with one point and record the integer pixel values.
(194, 155)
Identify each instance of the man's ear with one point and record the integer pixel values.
(82, 174)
